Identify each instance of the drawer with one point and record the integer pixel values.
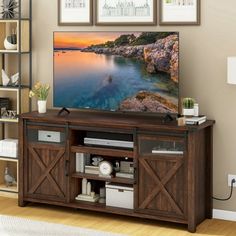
(47, 134)
(161, 145)
(50, 136)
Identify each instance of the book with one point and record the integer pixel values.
(82, 159)
(196, 120)
(87, 198)
(125, 175)
(91, 170)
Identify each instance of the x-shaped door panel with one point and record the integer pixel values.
(46, 171)
(160, 185)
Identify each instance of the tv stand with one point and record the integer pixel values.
(171, 165)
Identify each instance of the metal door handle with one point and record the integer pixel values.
(67, 168)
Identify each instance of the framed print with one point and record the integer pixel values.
(123, 12)
(75, 12)
(179, 12)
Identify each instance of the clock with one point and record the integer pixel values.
(105, 168)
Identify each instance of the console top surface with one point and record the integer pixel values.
(115, 120)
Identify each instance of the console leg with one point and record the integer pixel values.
(22, 203)
(192, 228)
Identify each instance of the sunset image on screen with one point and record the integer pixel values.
(81, 40)
(117, 71)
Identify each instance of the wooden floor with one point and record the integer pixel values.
(112, 223)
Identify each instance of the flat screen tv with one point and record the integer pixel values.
(117, 71)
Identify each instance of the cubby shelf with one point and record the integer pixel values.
(12, 88)
(19, 100)
(97, 177)
(12, 189)
(6, 26)
(103, 151)
(13, 52)
(14, 19)
(9, 120)
(8, 159)
(12, 164)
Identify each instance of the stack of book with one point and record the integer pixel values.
(125, 175)
(92, 170)
(198, 120)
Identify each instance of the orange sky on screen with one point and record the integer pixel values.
(82, 40)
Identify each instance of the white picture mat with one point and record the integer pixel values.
(172, 13)
(76, 15)
(123, 19)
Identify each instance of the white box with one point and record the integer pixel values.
(119, 196)
(9, 148)
(50, 136)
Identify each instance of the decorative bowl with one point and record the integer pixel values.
(9, 46)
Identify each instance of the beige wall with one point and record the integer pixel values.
(204, 51)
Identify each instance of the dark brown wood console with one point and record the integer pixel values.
(172, 165)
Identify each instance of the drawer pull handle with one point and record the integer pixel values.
(67, 168)
(49, 136)
(120, 190)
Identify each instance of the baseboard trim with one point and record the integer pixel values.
(224, 215)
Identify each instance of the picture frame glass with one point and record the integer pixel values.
(180, 11)
(123, 11)
(75, 11)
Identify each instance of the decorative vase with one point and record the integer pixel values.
(42, 106)
(188, 112)
(9, 46)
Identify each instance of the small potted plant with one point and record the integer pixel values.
(40, 91)
(188, 106)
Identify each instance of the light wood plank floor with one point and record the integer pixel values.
(112, 223)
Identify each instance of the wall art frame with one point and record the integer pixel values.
(119, 13)
(179, 12)
(75, 12)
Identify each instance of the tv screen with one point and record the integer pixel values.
(117, 71)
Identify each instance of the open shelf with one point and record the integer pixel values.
(13, 52)
(103, 151)
(19, 101)
(12, 189)
(12, 165)
(6, 27)
(97, 177)
(8, 159)
(101, 207)
(12, 88)
(9, 120)
(13, 19)
(9, 51)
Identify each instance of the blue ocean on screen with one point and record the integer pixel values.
(99, 81)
